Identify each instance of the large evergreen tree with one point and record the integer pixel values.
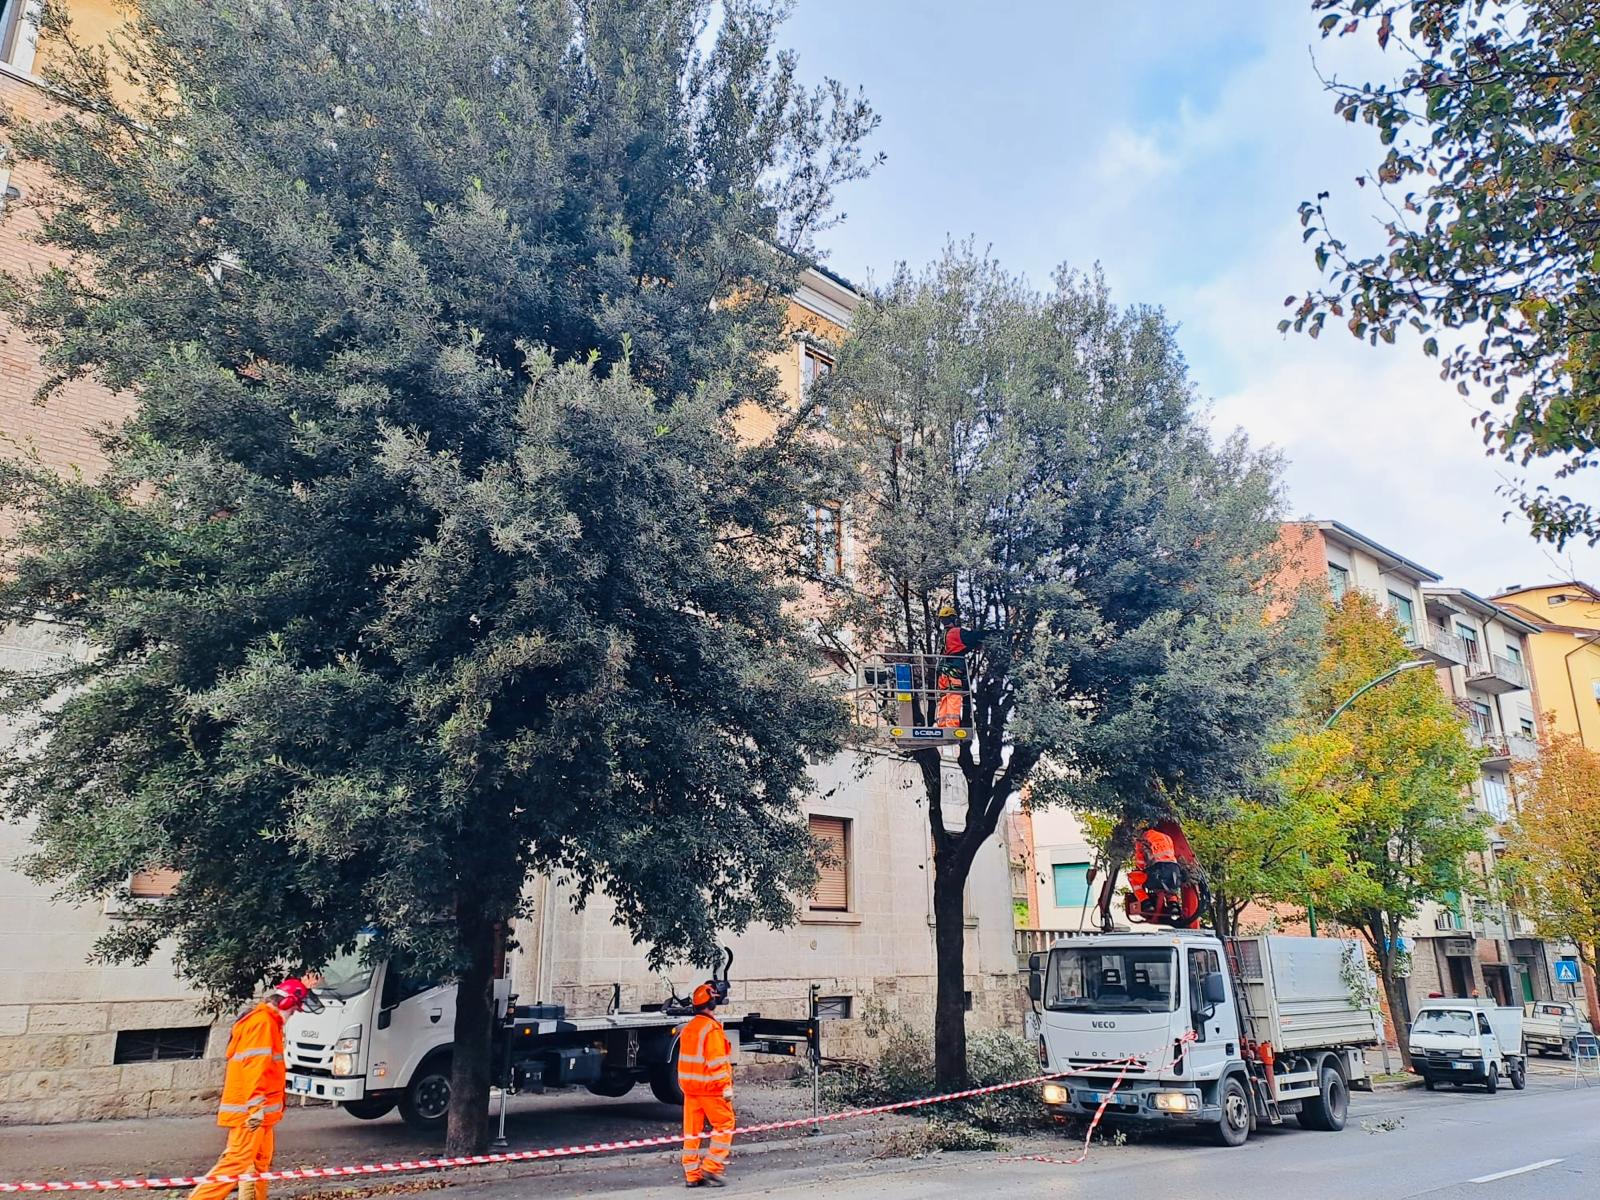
(429, 556)
(1038, 461)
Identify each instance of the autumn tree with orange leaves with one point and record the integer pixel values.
(1553, 856)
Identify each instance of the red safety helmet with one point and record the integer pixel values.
(707, 995)
(293, 996)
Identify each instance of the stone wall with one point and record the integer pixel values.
(57, 1063)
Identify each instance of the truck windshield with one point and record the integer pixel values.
(1125, 979)
(1445, 1020)
(347, 976)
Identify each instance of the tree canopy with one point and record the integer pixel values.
(1553, 854)
(1037, 461)
(1489, 169)
(430, 555)
(1392, 776)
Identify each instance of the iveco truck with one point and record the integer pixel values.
(1184, 1028)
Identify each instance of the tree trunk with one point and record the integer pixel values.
(471, 1057)
(949, 938)
(1392, 992)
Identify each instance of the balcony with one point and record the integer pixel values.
(1499, 748)
(1496, 673)
(1440, 645)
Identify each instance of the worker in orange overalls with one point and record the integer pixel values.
(950, 711)
(705, 1076)
(1161, 862)
(253, 1090)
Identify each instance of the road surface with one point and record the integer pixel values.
(1539, 1144)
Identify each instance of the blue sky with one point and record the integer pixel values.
(1170, 141)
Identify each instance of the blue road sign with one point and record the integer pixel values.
(1567, 970)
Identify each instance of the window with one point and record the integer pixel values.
(153, 885)
(827, 540)
(1124, 980)
(1528, 729)
(1072, 884)
(1201, 964)
(1469, 635)
(158, 1045)
(1482, 718)
(1338, 581)
(833, 1008)
(833, 872)
(1496, 798)
(813, 366)
(1514, 654)
(18, 32)
(1401, 607)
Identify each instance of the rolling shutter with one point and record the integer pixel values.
(833, 874)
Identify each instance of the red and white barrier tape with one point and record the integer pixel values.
(1184, 1042)
(512, 1156)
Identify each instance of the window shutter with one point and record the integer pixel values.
(152, 885)
(833, 877)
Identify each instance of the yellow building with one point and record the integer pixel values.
(1565, 653)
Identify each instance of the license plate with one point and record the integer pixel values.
(299, 1086)
(1462, 1066)
(1091, 1097)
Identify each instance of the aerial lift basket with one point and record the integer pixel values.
(915, 701)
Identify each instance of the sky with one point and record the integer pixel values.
(1170, 142)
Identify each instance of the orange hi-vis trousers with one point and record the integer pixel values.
(698, 1112)
(248, 1150)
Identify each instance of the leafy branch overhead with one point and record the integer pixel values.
(1490, 139)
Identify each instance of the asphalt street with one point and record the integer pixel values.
(1399, 1145)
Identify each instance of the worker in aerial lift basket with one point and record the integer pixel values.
(705, 1076)
(253, 1090)
(951, 711)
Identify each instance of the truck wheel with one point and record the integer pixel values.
(664, 1079)
(1491, 1082)
(1519, 1075)
(612, 1086)
(1429, 1083)
(1234, 1127)
(371, 1108)
(425, 1105)
(1331, 1106)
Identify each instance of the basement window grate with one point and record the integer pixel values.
(160, 1045)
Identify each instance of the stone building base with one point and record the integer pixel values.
(57, 1063)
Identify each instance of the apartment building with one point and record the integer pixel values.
(1565, 649)
(1482, 653)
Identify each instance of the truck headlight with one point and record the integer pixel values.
(345, 1050)
(1177, 1102)
(1053, 1093)
(1472, 1054)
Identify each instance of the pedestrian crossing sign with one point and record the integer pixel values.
(1567, 970)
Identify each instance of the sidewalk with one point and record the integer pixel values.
(317, 1135)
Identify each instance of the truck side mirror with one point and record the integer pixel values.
(385, 1017)
(1035, 962)
(1035, 986)
(1212, 990)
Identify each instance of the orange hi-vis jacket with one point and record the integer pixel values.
(1158, 847)
(255, 1078)
(705, 1059)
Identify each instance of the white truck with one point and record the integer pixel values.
(1278, 1027)
(1549, 1026)
(383, 1040)
(1465, 1041)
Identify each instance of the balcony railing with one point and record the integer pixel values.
(1496, 673)
(1031, 941)
(1502, 748)
(1442, 646)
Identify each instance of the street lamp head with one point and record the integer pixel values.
(1414, 664)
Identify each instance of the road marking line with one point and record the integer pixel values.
(1538, 1166)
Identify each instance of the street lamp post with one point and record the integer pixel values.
(1414, 664)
